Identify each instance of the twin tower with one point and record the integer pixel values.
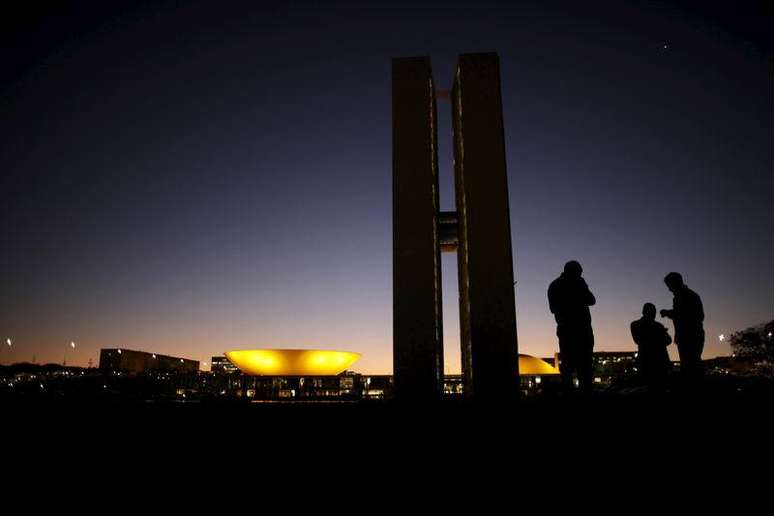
(479, 231)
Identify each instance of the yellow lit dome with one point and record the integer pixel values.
(529, 365)
(291, 362)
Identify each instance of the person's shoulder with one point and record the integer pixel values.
(691, 294)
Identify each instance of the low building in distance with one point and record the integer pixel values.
(608, 366)
(282, 374)
(131, 361)
(221, 364)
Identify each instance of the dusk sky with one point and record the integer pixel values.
(193, 177)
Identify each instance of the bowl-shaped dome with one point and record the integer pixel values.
(529, 365)
(291, 362)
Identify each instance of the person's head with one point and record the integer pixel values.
(649, 311)
(674, 281)
(573, 269)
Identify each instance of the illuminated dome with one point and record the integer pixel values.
(291, 362)
(529, 365)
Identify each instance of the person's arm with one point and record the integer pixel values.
(590, 300)
(670, 313)
(553, 302)
(699, 309)
(635, 333)
(667, 339)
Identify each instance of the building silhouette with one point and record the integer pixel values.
(127, 360)
(479, 231)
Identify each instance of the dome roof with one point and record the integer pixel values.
(291, 362)
(323, 362)
(529, 365)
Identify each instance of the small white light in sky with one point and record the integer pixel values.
(8, 341)
(72, 345)
(665, 46)
(721, 337)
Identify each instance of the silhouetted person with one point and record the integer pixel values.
(569, 299)
(687, 313)
(652, 340)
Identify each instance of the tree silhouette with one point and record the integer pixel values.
(756, 342)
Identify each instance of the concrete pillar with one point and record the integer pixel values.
(487, 305)
(417, 326)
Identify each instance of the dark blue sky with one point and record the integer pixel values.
(194, 178)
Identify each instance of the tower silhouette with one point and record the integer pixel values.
(479, 231)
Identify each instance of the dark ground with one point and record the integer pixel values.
(679, 448)
(717, 418)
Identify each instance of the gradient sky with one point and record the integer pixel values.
(188, 178)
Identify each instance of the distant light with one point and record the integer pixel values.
(154, 355)
(721, 337)
(72, 345)
(119, 351)
(8, 341)
(181, 360)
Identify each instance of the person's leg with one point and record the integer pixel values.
(699, 351)
(690, 362)
(567, 359)
(685, 360)
(658, 376)
(585, 360)
(567, 369)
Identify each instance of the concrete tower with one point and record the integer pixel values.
(479, 231)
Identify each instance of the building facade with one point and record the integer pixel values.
(221, 364)
(131, 361)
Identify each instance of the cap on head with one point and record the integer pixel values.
(673, 280)
(649, 310)
(573, 268)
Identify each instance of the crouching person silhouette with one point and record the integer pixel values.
(569, 299)
(652, 339)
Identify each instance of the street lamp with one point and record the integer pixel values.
(72, 345)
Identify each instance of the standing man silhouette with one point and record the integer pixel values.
(652, 340)
(687, 313)
(569, 299)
